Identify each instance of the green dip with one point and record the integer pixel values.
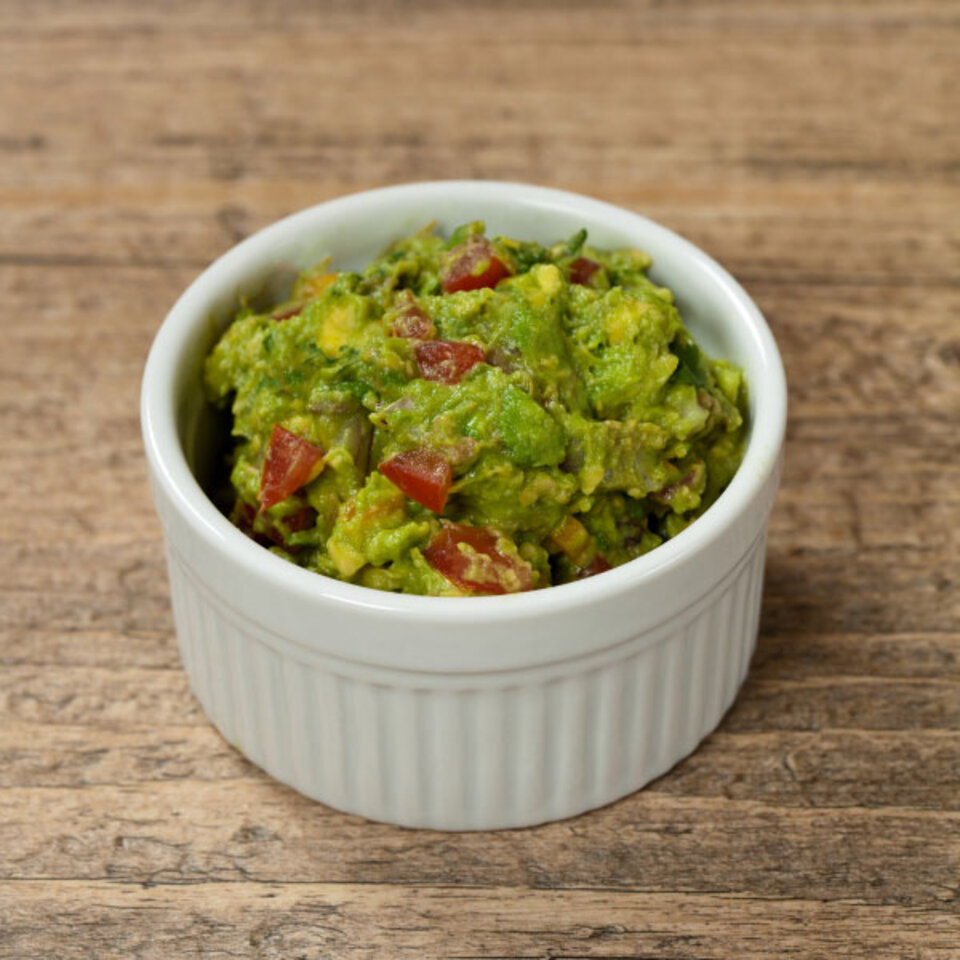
(473, 416)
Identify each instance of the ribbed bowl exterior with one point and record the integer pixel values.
(469, 751)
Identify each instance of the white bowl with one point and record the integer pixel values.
(469, 713)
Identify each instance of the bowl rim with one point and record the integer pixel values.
(170, 469)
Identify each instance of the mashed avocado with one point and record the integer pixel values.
(473, 416)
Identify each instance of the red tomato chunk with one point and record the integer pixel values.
(288, 313)
(483, 569)
(303, 519)
(472, 265)
(291, 462)
(446, 361)
(422, 474)
(582, 269)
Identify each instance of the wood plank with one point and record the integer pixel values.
(892, 591)
(179, 15)
(64, 755)
(97, 696)
(805, 653)
(200, 832)
(299, 75)
(355, 921)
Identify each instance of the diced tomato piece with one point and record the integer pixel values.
(472, 265)
(582, 269)
(484, 569)
(303, 519)
(288, 313)
(290, 463)
(411, 322)
(446, 361)
(422, 474)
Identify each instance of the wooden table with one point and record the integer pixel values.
(811, 147)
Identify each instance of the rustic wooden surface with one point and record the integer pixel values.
(811, 147)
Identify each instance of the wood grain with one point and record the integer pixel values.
(279, 921)
(811, 147)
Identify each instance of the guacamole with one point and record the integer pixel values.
(473, 415)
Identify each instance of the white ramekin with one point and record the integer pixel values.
(471, 713)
